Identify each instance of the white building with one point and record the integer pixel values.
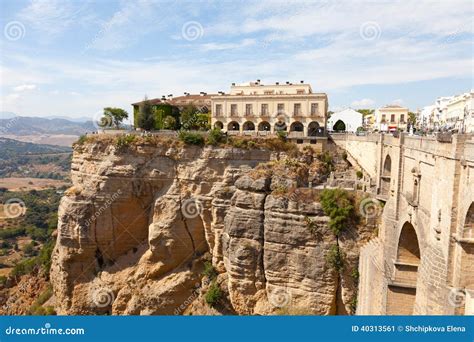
(350, 119)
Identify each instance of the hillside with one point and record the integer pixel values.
(22, 159)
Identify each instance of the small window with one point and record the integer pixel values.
(299, 141)
(218, 110)
(297, 109)
(264, 110)
(233, 109)
(281, 108)
(402, 118)
(314, 109)
(248, 109)
(300, 92)
(392, 118)
(312, 141)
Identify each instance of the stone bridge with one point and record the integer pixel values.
(422, 261)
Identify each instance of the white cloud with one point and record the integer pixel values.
(398, 102)
(25, 87)
(363, 103)
(228, 46)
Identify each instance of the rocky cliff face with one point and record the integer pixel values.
(139, 221)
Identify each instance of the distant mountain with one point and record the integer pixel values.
(22, 125)
(79, 119)
(7, 115)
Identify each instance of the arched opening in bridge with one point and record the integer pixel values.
(339, 126)
(264, 126)
(466, 281)
(296, 127)
(402, 289)
(233, 126)
(386, 177)
(313, 129)
(249, 126)
(218, 125)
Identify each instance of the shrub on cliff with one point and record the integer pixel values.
(191, 138)
(335, 259)
(215, 137)
(338, 205)
(213, 294)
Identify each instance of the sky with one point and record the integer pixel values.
(73, 58)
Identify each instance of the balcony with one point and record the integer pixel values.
(249, 115)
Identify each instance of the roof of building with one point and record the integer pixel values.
(179, 99)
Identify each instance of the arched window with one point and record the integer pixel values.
(249, 126)
(264, 126)
(233, 126)
(296, 127)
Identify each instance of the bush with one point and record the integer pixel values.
(82, 139)
(215, 137)
(338, 205)
(209, 270)
(335, 259)
(213, 294)
(359, 174)
(125, 140)
(282, 135)
(191, 138)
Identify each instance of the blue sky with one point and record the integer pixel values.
(74, 57)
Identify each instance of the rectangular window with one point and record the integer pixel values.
(314, 109)
(268, 92)
(281, 108)
(297, 109)
(392, 118)
(383, 117)
(300, 92)
(248, 109)
(233, 109)
(218, 110)
(402, 118)
(264, 109)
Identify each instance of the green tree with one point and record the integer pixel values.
(189, 117)
(412, 118)
(338, 205)
(115, 115)
(169, 122)
(146, 119)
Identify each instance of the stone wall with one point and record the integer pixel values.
(431, 188)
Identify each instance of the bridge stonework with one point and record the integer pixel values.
(422, 261)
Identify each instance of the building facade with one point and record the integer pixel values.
(391, 118)
(256, 109)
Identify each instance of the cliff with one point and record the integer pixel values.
(140, 220)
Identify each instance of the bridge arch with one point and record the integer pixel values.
(402, 289)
